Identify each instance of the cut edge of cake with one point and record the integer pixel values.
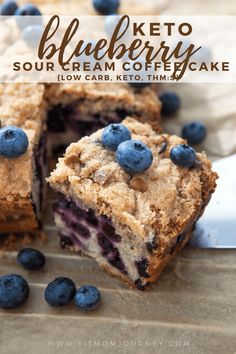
(27, 106)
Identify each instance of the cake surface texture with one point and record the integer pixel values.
(22, 106)
(131, 224)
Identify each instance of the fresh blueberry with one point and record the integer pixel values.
(110, 24)
(30, 259)
(114, 134)
(8, 8)
(134, 156)
(170, 103)
(28, 10)
(203, 54)
(14, 291)
(87, 297)
(60, 292)
(32, 35)
(13, 142)
(139, 85)
(106, 7)
(194, 132)
(183, 155)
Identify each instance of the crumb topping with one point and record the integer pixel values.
(162, 198)
(21, 105)
(26, 105)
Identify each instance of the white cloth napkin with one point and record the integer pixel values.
(217, 227)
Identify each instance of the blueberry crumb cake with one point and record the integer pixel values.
(130, 200)
(58, 114)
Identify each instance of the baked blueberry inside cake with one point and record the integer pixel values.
(61, 119)
(78, 110)
(81, 228)
(67, 112)
(41, 163)
(66, 124)
(134, 207)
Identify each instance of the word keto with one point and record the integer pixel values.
(158, 29)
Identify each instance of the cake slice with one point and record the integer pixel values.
(22, 178)
(76, 110)
(132, 224)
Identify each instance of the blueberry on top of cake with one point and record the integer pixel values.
(131, 223)
(22, 118)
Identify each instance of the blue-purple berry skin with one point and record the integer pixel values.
(110, 24)
(115, 134)
(14, 291)
(60, 292)
(31, 259)
(87, 297)
(106, 7)
(194, 132)
(13, 142)
(28, 10)
(8, 8)
(134, 156)
(183, 156)
(170, 103)
(139, 85)
(32, 35)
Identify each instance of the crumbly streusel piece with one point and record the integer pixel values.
(132, 225)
